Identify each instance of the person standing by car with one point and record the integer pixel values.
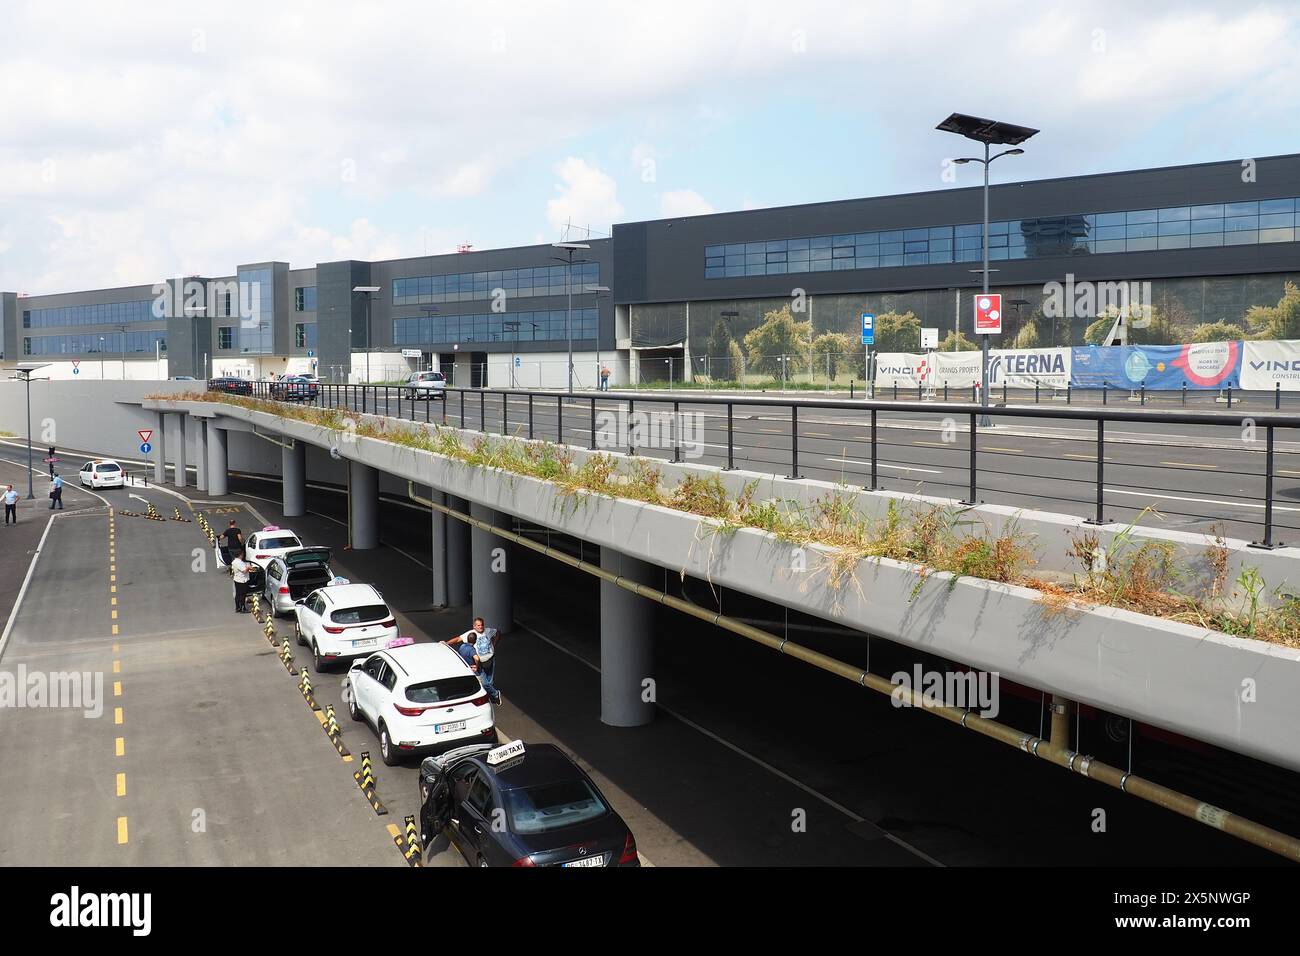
(484, 640)
(232, 541)
(56, 492)
(239, 574)
(11, 504)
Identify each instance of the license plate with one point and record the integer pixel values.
(449, 728)
(598, 860)
(367, 642)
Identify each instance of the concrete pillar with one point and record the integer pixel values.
(217, 472)
(179, 477)
(438, 559)
(201, 453)
(293, 486)
(160, 450)
(491, 563)
(457, 554)
(626, 642)
(363, 506)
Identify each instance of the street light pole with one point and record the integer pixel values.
(25, 370)
(367, 290)
(569, 248)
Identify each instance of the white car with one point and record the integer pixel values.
(271, 542)
(421, 699)
(426, 385)
(295, 575)
(102, 473)
(342, 622)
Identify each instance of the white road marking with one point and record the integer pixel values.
(853, 461)
(1203, 501)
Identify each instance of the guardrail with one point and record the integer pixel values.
(774, 432)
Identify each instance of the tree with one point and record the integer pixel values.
(720, 347)
(1218, 332)
(1027, 337)
(955, 341)
(898, 332)
(779, 335)
(1146, 326)
(840, 346)
(1096, 332)
(1281, 321)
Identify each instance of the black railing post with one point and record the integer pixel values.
(1143, 393)
(530, 415)
(677, 432)
(971, 499)
(1069, 388)
(850, 389)
(1004, 393)
(559, 419)
(945, 390)
(1103, 392)
(1101, 472)
(1268, 491)
(363, 399)
(462, 408)
(593, 423)
(874, 484)
(482, 410)
(1184, 393)
(445, 400)
(1035, 391)
(399, 402)
(794, 441)
(1230, 394)
(1277, 396)
(505, 413)
(631, 407)
(731, 444)
(895, 391)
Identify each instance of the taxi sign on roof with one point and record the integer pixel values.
(505, 752)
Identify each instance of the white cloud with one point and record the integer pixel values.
(587, 197)
(683, 202)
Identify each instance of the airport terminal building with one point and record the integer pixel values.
(677, 297)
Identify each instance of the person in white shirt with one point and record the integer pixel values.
(484, 641)
(11, 504)
(239, 573)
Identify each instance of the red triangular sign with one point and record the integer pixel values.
(145, 434)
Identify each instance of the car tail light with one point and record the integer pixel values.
(284, 590)
(334, 630)
(480, 700)
(524, 861)
(409, 711)
(629, 850)
(261, 557)
(391, 622)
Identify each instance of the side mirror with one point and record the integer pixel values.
(300, 602)
(358, 664)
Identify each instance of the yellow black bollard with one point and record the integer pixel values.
(412, 850)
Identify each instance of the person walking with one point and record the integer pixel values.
(232, 541)
(11, 504)
(604, 378)
(51, 460)
(239, 574)
(484, 641)
(56, 492)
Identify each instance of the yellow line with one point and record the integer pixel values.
(121, 785)
(121, 830)
(1187, 464)
(117, 667)
(117, 688)
(112, 577)
(393, 831)
(114, 648)
(120, 745)
(114, 613)
(112, 602)
(115, 633)
(1070, 454)
(112, 589)
(117, 715)
(1016, 451)
(936, 444)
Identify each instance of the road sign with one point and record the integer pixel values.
(311, 353)
(145, 448)
(75, 370)
(145, 434)
(929, 339)
(517, 361)
(988, 313)
(868, 329)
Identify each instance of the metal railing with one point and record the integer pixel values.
(1066, 447)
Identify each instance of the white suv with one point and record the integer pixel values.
(426, 385)
(102, 473)
(342, 622)
(421, 699)
(271, 542)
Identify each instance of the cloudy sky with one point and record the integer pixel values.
(146, 140)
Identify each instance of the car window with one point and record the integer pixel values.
(372, 666)
(463, 772)
(280, 542)
(480, 796)
(389, 677)
(438, 691)
(366, 614)
(310, 577)
(551, 806)
(102, 469)
(273, 571)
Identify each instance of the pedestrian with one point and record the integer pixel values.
(239, 574)
(604, 378)
(232, 541)
(56, 492)
(11, 504)
(51, 461)
(484, 641)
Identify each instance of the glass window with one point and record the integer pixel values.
(1240, 223)
(1277, 235)
(1179, 227)
(1201, 240)
(1270, 206)
(1175, 213)
(1214, 211)
(1241, 209)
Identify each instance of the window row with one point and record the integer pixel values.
(1178, 227)
(548, 326)
(304, 335)
(469, 286)
(304, 299)
(91, 343)
(121, 313)
(250, 339)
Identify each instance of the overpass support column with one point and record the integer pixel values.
(201, 454)
(626, 642)
(457, 554)
(438, 558)
(363, 506)
(178, 474)
(160, 449)
(492, 564)
(293, 462)
(216, 460)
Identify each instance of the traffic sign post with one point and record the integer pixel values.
(145, 448)
(76, 366)
(988, 321)
(868, 340)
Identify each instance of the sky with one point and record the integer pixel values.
(146, 140)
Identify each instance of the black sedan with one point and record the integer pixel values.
(520, 806)
(230, 385)
(294, 389)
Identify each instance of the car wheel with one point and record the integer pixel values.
(353, 712)
(316, 660)
(482, 861)
(297, 633)
(386, 748)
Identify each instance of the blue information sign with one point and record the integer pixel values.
(868, 329)
(145, 448)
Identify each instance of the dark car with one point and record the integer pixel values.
(294, 575)
(520, 806)
(294, 388)
(231, 385)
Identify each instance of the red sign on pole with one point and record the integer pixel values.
(988, 313)
(145, 434)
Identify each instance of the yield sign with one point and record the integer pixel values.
(145, 434)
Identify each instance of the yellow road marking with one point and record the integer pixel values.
(112, 589)
(347, 759)
(121, 785)
(112, 601)
(115, 632)
(117, 715)
(936, 444)
(112, 567)
(117, 688)
(1070, 454)
(114, 612)
(120, 746)
(121, 830)
(112, 577)
(1187, 464)
(117, 667)
(393, 831)
(114, 648)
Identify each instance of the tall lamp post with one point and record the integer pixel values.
(367, 291)
(25, 370)
(569, 248)
(989, 132)
(599, 290)
(429, 311)
(101, 358)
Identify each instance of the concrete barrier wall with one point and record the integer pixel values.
(1188, 680)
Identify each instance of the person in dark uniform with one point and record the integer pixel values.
(51, 461)
(232, 542)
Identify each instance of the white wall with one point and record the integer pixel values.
(111, 369)
(550, 370)
(384, 366)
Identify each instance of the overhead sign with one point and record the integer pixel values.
(868, 329)
(145, 434)
(145, 448)
(929, 338)
(509, 751)
(988, 313)
(410, 353)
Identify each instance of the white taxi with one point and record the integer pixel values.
(271, 542)
(342, 622)
(421, 699)
(102, 473)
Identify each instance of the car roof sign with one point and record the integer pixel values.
(514, 748)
